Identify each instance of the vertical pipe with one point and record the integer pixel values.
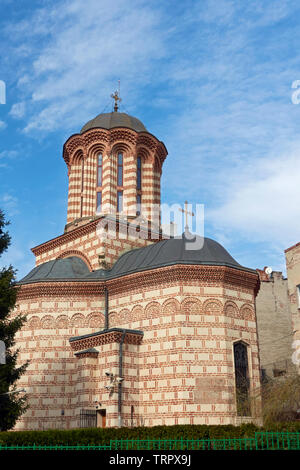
(120, 376)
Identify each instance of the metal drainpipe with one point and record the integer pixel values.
(120, 375)
(106, 308)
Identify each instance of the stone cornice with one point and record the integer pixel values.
(155, 277)
(108, 137)
(81, 231)
(105, 337)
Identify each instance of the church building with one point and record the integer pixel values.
(126, 326)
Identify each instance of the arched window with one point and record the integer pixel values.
(99, 201)
(99, 183)
(120, 183)
(139, 174)
(138, 185)
(119, 201)
(120, 169)
(242, 382)
(99, 172)
(82, 187)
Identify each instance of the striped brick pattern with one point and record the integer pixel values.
(90, 182)
(82, 195)
(75, 190)
(181, 373)
(130, 184)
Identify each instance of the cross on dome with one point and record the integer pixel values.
(117, 98)
(187, 213)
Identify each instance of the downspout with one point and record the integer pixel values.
(120, 376)
(106, 327)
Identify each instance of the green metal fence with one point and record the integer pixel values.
(264, 440)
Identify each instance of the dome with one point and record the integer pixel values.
(180, 250)
(115, 119)
(65, 268)
(171, 252)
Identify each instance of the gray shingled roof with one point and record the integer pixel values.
(163, 253)
(115, 119)
(66, 268)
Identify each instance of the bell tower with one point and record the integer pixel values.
(114, 167)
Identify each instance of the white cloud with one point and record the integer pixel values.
(3, 125)
(85, 47)
(261, 203)
(10, 204)
(18, 110)
(8, 154)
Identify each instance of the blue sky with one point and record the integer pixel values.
(211, 79)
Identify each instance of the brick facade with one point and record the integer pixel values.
(181, 321)
(181, 371)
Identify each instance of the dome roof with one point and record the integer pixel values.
(180, 250)
(65, 268)
(115, 119)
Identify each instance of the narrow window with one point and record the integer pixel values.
(298, 293)
(139, 174)
(138, 204)
(99, 173)
(99, 201)
(120, 169)
(119, 201)
(138, 185)
(242, 382)
(82, 188)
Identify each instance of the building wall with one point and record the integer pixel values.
(274, 325)
(80, 154)
(92, 245)
(292, 256)
(183, 371)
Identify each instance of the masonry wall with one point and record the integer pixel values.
(89, 243)
(292, 256)
(183, 372)
(274, 325)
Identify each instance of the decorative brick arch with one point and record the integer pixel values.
(47, 322)
(121, 147)
(79, 254)
(95, 148)
(143, 151)
(153, 309)
(34, 323)
(137, 312)
(112, 319)
(231, 309)
(191, 305)
(247, 312)
(62, 322)
(124, 314)
(212, 307)
(170, 307)
(95, 320)
(78, 321)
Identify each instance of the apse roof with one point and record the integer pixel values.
(174, 251)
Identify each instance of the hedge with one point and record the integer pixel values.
(98, 436)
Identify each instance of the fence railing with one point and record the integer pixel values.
(263, 440)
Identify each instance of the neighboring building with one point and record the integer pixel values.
(292, 256)
(274, 325)
(133, 330)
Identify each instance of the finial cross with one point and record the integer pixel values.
(117, 98)
(187, 213)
